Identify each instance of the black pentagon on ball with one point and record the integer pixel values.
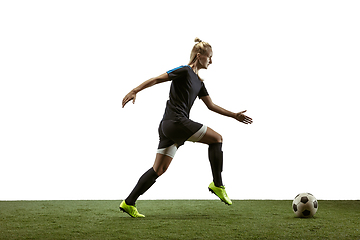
(315, 204)
(295, 207)
(304, 199)
(306, 213)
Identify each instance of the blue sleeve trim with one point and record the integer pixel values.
(172, 70)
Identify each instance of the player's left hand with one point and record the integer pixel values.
(130, 96)
(243, 118)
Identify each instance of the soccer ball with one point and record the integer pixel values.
(305, 205)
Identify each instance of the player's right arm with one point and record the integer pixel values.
(151, 82)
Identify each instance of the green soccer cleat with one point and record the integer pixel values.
(220, 192)
(131, 210)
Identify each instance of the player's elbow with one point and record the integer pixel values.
(211, 106)
(156, 80)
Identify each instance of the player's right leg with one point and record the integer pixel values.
(214, 140)
(211, 137)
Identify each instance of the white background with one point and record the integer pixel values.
(66, 65)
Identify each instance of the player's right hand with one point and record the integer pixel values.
(130, 96)
(241, 117)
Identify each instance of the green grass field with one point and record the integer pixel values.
(177, 219)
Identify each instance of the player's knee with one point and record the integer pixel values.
(163, 161)
(215, 138)
(161, 170)
(218, 139)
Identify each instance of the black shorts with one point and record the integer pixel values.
(176, 131)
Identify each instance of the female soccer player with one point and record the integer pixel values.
(176, 127)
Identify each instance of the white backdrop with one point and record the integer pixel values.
(66, 65)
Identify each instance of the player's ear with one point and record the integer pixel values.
(197, 55)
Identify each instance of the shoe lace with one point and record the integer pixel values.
(134, 211)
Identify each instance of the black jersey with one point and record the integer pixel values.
(176, 127)
(185, 87)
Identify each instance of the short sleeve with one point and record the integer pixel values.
(203, 91)
(178, 72)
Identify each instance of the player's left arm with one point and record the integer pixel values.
(240, 116)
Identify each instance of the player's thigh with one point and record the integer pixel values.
(211, 137)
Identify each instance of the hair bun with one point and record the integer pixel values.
(198, 40)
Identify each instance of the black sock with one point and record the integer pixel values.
(144, 183)
(216, 162)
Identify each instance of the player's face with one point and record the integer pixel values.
(206, 59)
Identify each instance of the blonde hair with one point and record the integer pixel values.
(200, 47)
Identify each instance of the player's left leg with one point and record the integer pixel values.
(148, 179)
(144, 183)
(161, 164)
